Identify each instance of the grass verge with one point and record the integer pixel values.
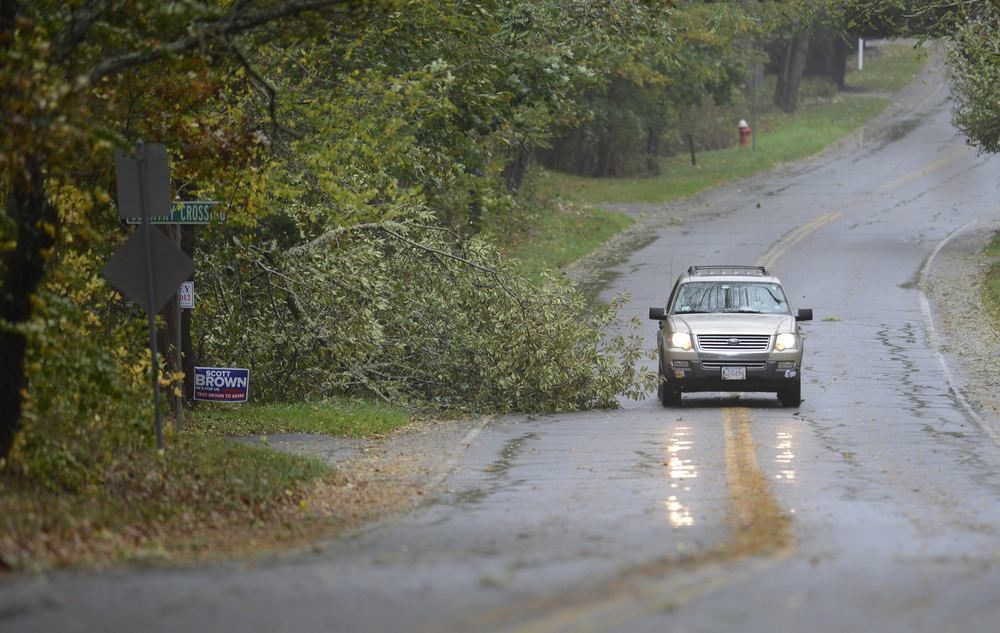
(781, 138)
(204, 497)
(991, 282)
(560, 235)
(892, 67)
(789, 138)
(347, 416)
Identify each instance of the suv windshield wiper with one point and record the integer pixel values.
(745, 311)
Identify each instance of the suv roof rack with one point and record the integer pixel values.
(728, 270)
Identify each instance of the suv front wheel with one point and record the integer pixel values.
(791, 396)
(669, 397)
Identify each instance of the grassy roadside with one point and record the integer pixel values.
(559, 235)
(205, 497)
(790, 138)
(991, 281)
(348, 416)
(182, 504)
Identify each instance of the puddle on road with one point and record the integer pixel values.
(903, 384)
(497, 470)
(510, 451)
(898, 130)
(601, 273)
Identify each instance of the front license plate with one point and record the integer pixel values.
(734, 373)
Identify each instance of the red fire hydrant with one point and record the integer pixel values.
(744, 133)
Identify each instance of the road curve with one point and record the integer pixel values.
(872, 506)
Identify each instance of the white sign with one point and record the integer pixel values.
(185, 294)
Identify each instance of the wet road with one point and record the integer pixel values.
(873, 506)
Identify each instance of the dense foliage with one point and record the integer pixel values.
(380, 124)
(975, 63)
(971, 29)
(412, 313)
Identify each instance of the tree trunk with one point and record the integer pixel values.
(786, 94)
(514, 172)
(652, 151)
(36, 223)
(838, 66)
(779, 86)
(798, 64)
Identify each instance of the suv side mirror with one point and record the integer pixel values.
(805, 314)
(657, 314)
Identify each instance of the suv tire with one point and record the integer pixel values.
(669, 397)
(791, 396)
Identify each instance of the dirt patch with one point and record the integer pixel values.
(378, 479)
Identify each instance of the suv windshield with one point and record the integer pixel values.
(730, 296)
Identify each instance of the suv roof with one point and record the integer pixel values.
(756, 273)
(717, 271)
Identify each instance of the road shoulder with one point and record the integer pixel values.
(967, 339)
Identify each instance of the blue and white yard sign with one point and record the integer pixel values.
(221, 384)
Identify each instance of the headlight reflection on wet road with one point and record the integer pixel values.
(785, 457)
(679, 469)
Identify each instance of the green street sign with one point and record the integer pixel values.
(189, 212)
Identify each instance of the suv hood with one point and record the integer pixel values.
(733, 323)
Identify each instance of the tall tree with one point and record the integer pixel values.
(59, 64)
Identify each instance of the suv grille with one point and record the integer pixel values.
(742, 342)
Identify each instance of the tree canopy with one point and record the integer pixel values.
(970, 29)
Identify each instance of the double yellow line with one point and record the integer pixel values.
(775, 253)
(783, 245)
(920, 173)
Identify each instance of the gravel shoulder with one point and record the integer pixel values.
(968, 338)
(381, 478)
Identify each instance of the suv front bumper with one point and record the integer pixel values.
(689, 372)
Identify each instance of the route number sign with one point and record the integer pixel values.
(185, 295)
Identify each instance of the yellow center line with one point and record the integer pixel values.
(777, 251)
(925, 170)
(760, 536)
(758, 524)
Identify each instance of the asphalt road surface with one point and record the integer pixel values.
(873, 506)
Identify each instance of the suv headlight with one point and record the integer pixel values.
(681, 340)
(785, 341)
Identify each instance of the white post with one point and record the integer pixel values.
(861, 53)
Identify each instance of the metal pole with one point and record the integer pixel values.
(146, 228)
(861, 53)
(694, 161)
(179, 397)
(753, 111)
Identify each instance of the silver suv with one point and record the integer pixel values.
(729, 328)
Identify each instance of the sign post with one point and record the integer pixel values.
(143, 192)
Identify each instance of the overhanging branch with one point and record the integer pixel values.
(238, 20)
